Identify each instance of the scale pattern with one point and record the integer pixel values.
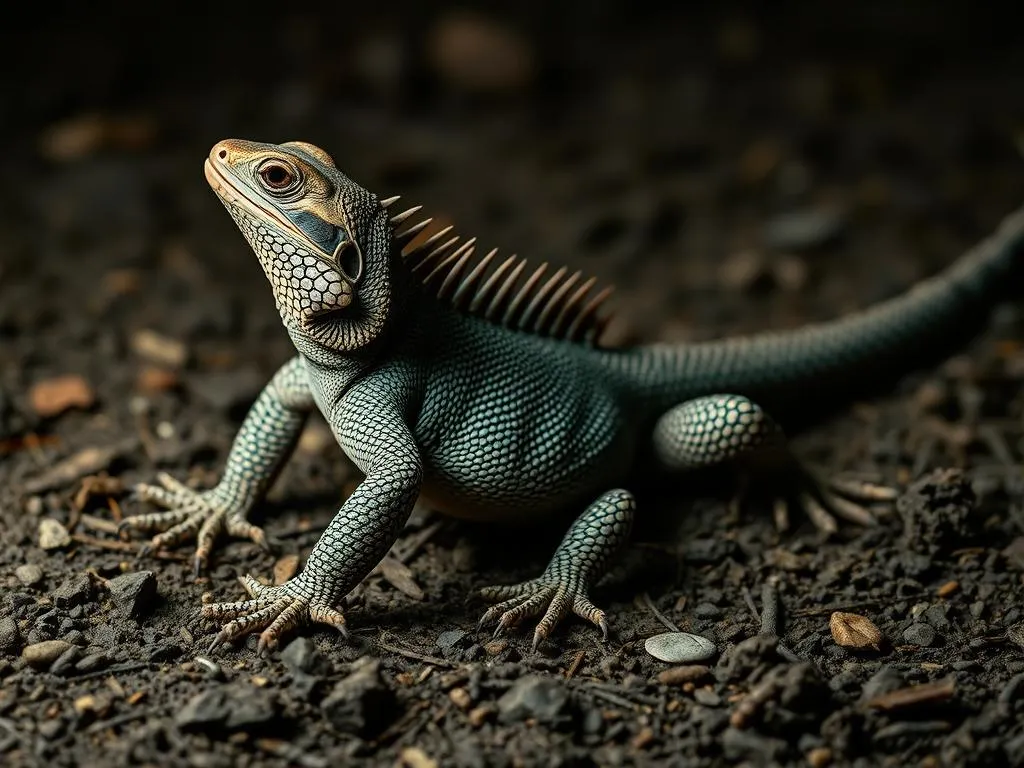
(710, 430)
(495, 422)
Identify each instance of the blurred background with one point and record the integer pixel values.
(729, 167)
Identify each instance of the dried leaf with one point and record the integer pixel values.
(285, 567)
(54, 396)
(399, 575)
(851, 630)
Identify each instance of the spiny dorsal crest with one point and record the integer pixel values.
(560, 305)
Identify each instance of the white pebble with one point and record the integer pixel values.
(52, 535)
(679, 647)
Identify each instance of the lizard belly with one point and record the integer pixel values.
(510, 460)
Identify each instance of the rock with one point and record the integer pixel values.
(205, 710)
(31, 574)
(679, 647)
(135, 593)
(803, 230)
(10, 637)
(884, 681)
(451, 643)
(707, 611)
(741, 660)
(65, 663)
(41, 655)
(61, 393)
(739, 745)
(361, 704)
(936, 616)
(75, 591)
(230, 707)
(301, 655)
(920, 633)
(939, 512)
(53, 535)
(543, 699)
(707, 698)
(92, 661)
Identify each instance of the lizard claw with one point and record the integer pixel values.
(274, 611)
(825, 500)
(190, 514)
(554, 599)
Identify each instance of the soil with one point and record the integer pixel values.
(730, 170)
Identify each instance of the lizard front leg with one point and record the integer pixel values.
(375, 434)
(580, 560)
(262, 444)
(718, 428)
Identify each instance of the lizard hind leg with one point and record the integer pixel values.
(711, 430)
(591, 542)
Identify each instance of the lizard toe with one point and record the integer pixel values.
(273, 611)
(552, 600)
(189, 515)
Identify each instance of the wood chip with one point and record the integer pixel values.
(688, 673)
(399, 575)
(159, 349)
(52, 397)
(643, 739)
(152, 379)
(948, 588)
(414, 757)
(851, 630)
(285, 568)
(460, 698)
(915, 695)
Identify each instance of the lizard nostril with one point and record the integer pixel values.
(223, 154)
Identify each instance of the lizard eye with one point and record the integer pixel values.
(277, 176)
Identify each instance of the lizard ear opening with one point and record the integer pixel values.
(312, 150)
(349, 259)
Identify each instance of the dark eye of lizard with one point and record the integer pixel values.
(277, 176)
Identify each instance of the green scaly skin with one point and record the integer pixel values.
(494, 423)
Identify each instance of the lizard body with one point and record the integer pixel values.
(489, 394)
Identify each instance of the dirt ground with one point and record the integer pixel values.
(728, 170)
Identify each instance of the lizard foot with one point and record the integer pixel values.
(825, 499)
(201, 515)
(555, 598)
(274, 610)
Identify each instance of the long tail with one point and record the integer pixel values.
(850, 355)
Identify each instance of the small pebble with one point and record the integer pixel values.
(679, 647)
(707, 697)
(29, 574)
(919, 634)
(45, 653)
(53, 535)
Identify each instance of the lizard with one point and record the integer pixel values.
(483, 386)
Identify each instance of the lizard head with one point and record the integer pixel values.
(323, 241)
